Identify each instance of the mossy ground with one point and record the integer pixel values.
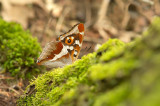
(117, 74)
(18, 50)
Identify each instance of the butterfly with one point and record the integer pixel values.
(64, 50)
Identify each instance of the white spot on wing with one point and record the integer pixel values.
(61, 37)
(71, 47)
(62, 53)
(82, 33)
(67, 47)
(78, 43)
(75, 52)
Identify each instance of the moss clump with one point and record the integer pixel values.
(117, 74)
(18, 50)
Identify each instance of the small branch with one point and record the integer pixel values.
(61, 19)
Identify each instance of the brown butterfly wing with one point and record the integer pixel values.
(49, 51)
(65, 49)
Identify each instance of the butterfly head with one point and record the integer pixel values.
(65, 50)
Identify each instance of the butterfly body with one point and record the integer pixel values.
(65, 50)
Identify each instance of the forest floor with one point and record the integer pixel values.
(46, 20)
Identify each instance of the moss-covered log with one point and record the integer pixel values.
(117, 74)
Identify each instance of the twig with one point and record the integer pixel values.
(157, 7)
(14, 91)
(10, 89)
(126, 15)
(101, 22)
(88, 14)
(60, 20)
(3, 77)
(103, 10)
(46, 26)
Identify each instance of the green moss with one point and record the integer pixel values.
(18, 50)
(113, 47)
(117, 74)
(114, 97)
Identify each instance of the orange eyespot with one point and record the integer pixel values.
(69, 40)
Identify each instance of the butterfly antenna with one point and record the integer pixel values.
(90, 47)
(87, 49)
(82, 52)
